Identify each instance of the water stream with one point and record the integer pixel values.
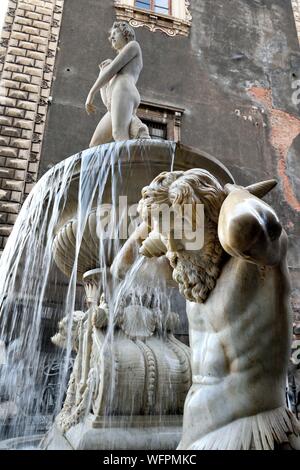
(32, 290)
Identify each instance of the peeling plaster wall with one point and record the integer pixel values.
(234, 76)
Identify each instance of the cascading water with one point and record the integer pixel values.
(30, 282)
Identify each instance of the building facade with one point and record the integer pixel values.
(220, 76)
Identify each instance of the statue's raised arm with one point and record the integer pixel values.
(250, 229)
(237, 288)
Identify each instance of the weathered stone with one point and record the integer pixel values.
(19, 36)
(25, 60)
(4, 101)
(36, 55)
(11, 131)
(23, 21)
(16, 51)
(4, 195)
(24, 123)
(28, 105)
(16, 163)
(5, 121)
(39, 40)
(33, 71)
(21, 77)
(14, 112)
(20, 95)
(28, 45)
(41, 25)
(20, 143)
(15, 196)
(9, 207)
(4, 140)
(8, 152)
(14, 186)
(33, 15)
(13, 68)
(5, 230)
(29, 87)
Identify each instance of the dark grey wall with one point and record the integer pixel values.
(233, 46)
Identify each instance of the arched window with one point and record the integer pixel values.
(170, 16)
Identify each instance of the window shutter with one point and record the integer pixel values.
(179, 9)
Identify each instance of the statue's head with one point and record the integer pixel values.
(120, 34)
(195, 270)
(197, 266)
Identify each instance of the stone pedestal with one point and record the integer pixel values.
(162, 433)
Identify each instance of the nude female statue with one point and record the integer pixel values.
(237, 289)
(117, 82)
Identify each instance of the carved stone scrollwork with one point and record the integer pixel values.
(179, 24)
(47, 69)
(45, 84)
(39, 117)
(153, 27)
(36, 138)
(11, 12)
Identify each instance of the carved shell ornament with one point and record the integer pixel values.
(138, 321)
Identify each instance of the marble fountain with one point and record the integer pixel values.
(132, 384)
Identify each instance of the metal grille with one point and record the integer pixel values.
(157, 130)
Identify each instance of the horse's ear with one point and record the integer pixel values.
(259, 190)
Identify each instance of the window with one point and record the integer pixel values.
(169, 16)
(157, 130)
(163, 121)
(158, 6)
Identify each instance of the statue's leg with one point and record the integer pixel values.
(122, 107)
(138, 130)
(103, 132)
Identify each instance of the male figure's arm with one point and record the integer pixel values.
(154, 267)
(248, 228)
(129, 52)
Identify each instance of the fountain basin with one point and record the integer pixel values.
(134, 165)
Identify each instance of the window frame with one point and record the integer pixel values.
(170, 116)
(176, 23)
(152, 7)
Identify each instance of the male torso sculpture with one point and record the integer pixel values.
(237, 287)
(117, 83)
(240, 343)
